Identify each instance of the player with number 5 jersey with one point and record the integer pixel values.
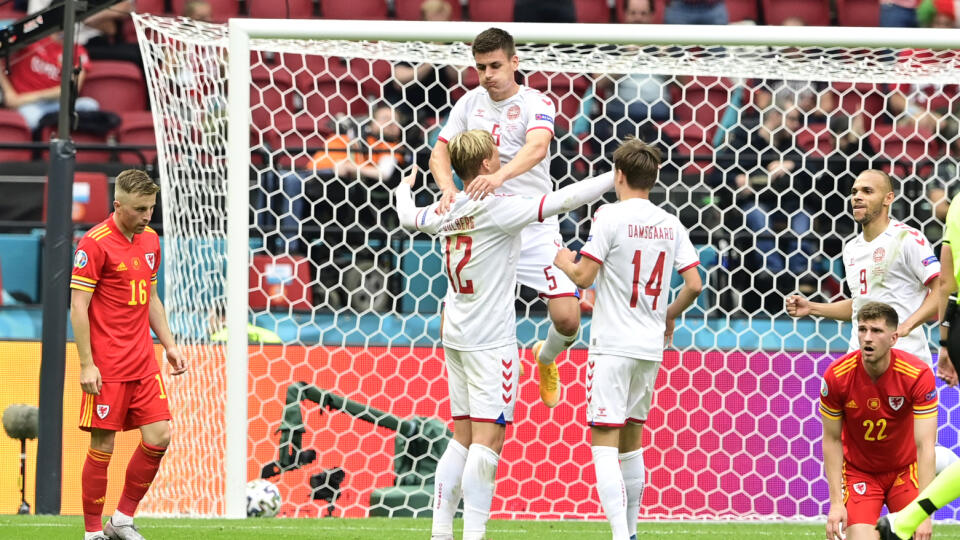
(480, 240)
(887, 262)
(632, 251)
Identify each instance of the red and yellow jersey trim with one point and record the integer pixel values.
(86, 410)
(97, 455)
(846, 366)
(82, 283)
(927, 411)
(150, 230)
(827, 412)
(905, 368)
(98, 233)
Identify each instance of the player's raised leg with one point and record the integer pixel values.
(93, 479)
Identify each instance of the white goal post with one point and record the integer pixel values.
(824, 55)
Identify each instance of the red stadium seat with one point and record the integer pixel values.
(272, 94)
(565, 90)
(858, 13)
(271, 9)
(816, 140)
(812, 12)
(491, 10)
(696, 114)
(280, 281)
(157, 7)
(222, 9)
(293, 142)
(13, 129)
(354, 9)
(592, 11)
(117, 86)
(81, 137)
(867, 99)
(906, 146)
(409, 10)
(742, 10)
(90, 198)
(137, 128)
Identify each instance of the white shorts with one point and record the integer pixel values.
(483, 384)
(619, 389)
(539, 243)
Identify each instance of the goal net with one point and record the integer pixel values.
(348, 412)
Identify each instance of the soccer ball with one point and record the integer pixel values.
(263, 498)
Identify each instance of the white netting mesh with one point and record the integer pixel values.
(762, 146)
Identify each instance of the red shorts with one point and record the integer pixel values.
(864, 493)
(125, 405)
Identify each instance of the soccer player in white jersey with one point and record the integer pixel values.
(633, 247)
(887, 262)
(481, 244)
(520, 119)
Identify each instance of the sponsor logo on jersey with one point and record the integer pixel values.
(896, 402)
(513, 112)
(151, 259)
(602, 411)
(544, 118)
(121, 267)
(873, 403)
(80, 259)
(860, 488)
(823, 389)
(103, 411)
(852, 404)
(930, 395)
(479, 113)
(930, 260)
(878, 254)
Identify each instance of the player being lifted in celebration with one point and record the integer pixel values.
(887, 262)
(879, 408)
(481, 243)
(520, 119)
(114, 305)
(632, 250)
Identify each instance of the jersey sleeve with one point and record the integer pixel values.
(919, 257)
(156, 266)
(87, 263)
(831, 402)
(685, 254)
(541, 112)
(598, 243)
(456, 121)
(512, 213)
(925, 400)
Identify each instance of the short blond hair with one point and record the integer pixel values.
(136, 182)
(468, 150)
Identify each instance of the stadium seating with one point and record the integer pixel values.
(858, 13)
(906, 146)
(867, 99)
(301, 136)
(80, 137)
(491, 10)
(592, 11)
(117, 86)
(137, 128)
(90, 198)
(743, 10)
(13, 129)
(816, 139)
(696, 113)
(222, 9)
(287, 9)
(354, 9)
(409, 10)
(566, 91)
(271, 94)
(812, 12)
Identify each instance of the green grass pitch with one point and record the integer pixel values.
(71, 528)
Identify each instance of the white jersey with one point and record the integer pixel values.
(480, 243)
(637, 245)
(508, 121)
(895, 269)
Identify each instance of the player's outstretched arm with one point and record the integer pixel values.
(442, 173)
(833, 470)
(412, 217)
(160, 327)
(575, 195)
(534, 150)
(583, 272)
(798, 306)
(90, 380)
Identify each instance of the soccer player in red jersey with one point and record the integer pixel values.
(114, 305)
(879, 407)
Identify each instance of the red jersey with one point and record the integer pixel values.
(38, 66)
(119, 273)
(878, 416)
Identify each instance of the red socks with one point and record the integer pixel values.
(93, 487)
(141, 471)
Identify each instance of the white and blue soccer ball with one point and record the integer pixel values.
(263, 498)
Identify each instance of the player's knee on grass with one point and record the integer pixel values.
(565, 314)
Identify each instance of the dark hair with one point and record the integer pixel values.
(494, 39)
(639, 161)
(872, 311)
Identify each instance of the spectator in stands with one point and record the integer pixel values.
(696, 12)
(555, 11)
(198, 10)
(31, 83)
(895, 13)
(381, 154)
(101, 32)
(419, 92)
(635, 102)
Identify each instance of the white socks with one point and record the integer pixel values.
(479, 474)
(446, 495)
(555, 344)
(631, 464)
(613, 493)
